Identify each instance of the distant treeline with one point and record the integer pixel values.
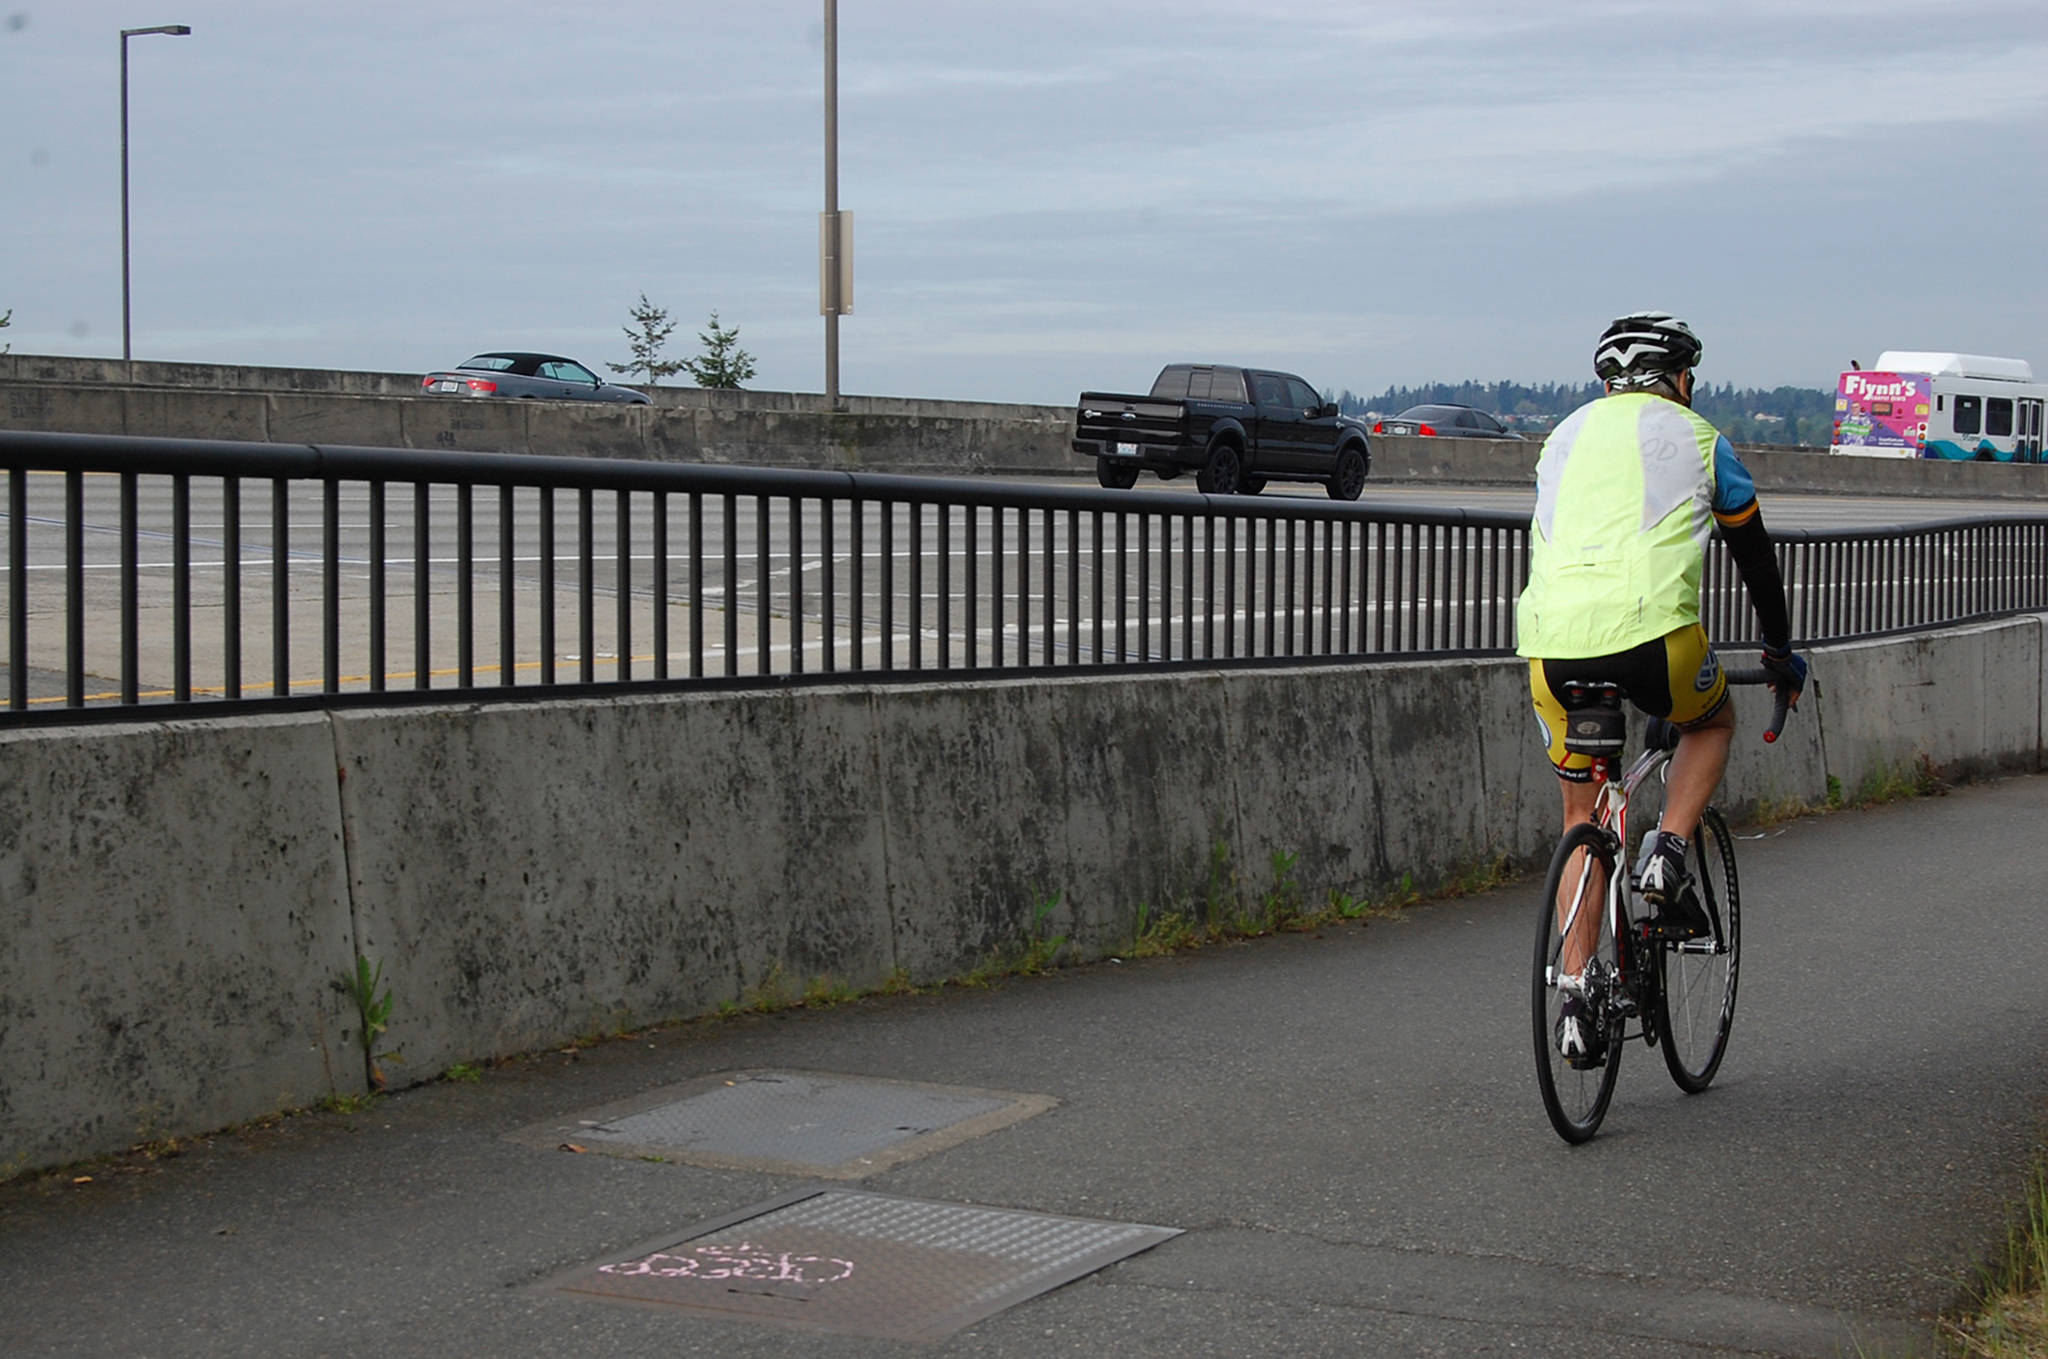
(1747, 415)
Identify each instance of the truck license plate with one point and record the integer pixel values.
(1127, 450)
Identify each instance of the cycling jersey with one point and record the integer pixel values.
(1627, 489)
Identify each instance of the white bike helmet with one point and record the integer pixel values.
(1644, 348)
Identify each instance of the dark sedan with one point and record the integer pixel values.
(1451, 422)
(548, 377)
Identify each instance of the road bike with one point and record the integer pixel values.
(1641, 979)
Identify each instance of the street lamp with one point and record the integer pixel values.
(176, 31)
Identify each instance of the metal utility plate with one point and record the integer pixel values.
(790, 1122)
(855, 1263)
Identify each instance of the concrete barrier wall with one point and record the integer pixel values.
(174, 920)
(180, 903)
(939, 438)
(768, 429)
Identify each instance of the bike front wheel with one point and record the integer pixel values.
(1696, 1007)
(1576, 1096)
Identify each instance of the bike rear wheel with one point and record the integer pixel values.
(1576, 1098)
(1696, 1007)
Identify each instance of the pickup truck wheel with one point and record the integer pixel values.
(1220, 474)
(1117, 476)
(1249, 484)
(1348, 481)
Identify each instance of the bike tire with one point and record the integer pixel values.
(1575, 1099)
(1696, 1003)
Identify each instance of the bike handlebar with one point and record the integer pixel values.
(1782, 701)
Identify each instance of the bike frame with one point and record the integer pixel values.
(1639, 981)
(1610, 814)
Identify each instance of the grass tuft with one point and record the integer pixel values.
(2008, 1318)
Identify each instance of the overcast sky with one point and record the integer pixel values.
(1049, 195)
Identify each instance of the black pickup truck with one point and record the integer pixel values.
(1235, 428)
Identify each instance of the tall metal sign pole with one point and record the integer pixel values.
(833, 235)
(176, 31)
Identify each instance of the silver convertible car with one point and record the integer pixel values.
(545, 376)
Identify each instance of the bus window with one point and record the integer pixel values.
(1969, 414)
(1998, 417)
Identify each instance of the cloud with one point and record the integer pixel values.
(1353, 188)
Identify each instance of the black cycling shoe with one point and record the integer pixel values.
(1666, 885)
(1581, 1039)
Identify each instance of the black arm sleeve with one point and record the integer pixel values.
(1749, 543)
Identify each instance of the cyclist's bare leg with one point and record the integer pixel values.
(1696, 769)
(1579, 799)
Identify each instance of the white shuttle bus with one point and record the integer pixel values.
(1917, 404)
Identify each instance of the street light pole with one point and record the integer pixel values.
(831, 226)
(177, 31)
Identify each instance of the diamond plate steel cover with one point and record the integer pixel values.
(856, 1263)
(791, 1122)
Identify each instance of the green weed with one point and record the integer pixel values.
(373, 1010)
(1041, 948)
(2009, 1313)
(1343, 906)
(1776, 811)
(1154, 935)
(1221, 890)
(1894, 783)
(771, 993)
(825, 990)
(348, 1104)
(464, 1072)
(1481, 876)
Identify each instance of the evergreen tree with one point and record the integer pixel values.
(723, 363)
(647, 342)
(6, 319)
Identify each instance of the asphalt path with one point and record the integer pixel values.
(1345, 1125)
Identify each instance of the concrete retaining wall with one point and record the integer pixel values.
(181, 902)
(173, 915)
(767, 429)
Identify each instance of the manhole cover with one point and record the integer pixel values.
(865, 1264)
(790, 1122)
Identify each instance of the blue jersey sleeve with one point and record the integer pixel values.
(1734, 487)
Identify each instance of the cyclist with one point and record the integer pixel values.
(1628, 488)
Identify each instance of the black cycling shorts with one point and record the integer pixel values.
(1676, 676)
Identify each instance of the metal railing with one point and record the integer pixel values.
(154, 572)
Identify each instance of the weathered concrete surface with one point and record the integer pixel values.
(309, 418)
(1369, 774)
(1968, 701)
(67, 369)
(179, 903)
(174, 927)
(1091, 793)
(532, 873)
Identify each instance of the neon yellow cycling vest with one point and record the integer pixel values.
(1624, 497)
